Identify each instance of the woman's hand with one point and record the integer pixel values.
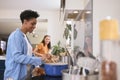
(43, 57)
(48, 56)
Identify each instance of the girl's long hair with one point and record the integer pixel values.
(43, 41)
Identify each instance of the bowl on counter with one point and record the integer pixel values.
(55, 69)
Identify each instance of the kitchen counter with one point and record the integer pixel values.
(2, 57)
(47, 78)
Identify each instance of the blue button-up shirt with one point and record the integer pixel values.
(16, 57)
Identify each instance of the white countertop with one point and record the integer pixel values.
(2, 57)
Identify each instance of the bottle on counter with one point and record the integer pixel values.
(109, 39)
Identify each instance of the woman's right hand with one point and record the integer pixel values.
(43, 57)
(48, 56)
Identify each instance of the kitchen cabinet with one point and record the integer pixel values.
(2, 68)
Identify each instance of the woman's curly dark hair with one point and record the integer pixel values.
(28, 14)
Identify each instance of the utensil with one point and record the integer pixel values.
(67, 76)
(88, 63)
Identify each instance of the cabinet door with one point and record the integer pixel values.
(2, 68)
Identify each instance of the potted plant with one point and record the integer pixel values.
(57, 49)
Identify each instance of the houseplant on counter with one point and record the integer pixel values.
(55, 68)
(58, 49)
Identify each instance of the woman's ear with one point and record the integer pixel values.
(24, 21)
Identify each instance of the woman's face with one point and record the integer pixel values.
(47, 40)
(30, 24)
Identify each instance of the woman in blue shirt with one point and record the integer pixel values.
(19, 50)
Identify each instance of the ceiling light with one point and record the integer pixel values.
(88, 12)
(75, 11)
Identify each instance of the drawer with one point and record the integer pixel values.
(2, 67)
(1, 74)
(2, 64)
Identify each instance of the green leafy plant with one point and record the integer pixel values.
(57, 49)
(67, 32)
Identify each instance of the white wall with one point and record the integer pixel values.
(55, 27)
(76, 5)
